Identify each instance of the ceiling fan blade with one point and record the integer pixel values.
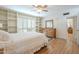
(45, 10)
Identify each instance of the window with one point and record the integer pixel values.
(26, 24)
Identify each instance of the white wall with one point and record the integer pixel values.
(60, 24)
(60, 21)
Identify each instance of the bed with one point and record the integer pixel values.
(28, 42)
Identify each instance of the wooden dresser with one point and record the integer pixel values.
(50, 32)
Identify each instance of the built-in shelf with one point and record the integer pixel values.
(9, 20)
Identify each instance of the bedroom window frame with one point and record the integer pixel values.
(27, 28)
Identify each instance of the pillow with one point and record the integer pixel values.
(4, 36)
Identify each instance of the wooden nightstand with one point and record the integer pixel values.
(3, 45)
(1, 50)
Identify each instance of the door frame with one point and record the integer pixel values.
(74, 18)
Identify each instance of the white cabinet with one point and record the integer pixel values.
(3, 19)
(8, 19)
(78, 37)
(77, 29)
(12, 21)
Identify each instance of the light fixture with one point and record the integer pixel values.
(40, 8)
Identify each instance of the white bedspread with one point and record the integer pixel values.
(28, 42)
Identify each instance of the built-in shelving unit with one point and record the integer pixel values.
(39, 24)
(12, 21)
(3, 19)
(9, 18)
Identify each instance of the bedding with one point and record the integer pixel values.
(28, 42)
(4, 36)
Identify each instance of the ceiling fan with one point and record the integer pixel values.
(41, 8)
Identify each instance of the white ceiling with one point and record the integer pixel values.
(52, 9)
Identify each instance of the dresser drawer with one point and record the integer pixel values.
(50, 32)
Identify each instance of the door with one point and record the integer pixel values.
(72, 22)
(77, 29)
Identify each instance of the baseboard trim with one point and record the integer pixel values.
(60, 38)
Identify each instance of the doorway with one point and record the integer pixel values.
(71, 22)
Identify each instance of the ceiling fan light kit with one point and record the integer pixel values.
(41, 8)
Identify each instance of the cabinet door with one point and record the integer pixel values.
(12, 21)
(77, 29)
(3, 19)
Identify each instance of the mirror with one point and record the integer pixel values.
(49, 24)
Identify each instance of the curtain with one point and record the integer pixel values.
(26, 23)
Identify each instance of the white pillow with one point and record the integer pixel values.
(4, 36)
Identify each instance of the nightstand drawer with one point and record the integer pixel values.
(1, 50)
(3, 45)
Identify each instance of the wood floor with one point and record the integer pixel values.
(59, 46)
